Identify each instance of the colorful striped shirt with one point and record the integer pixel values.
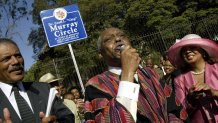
(101, 105)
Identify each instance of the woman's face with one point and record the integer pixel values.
(76, 94)
(192, 54)
(168, 67)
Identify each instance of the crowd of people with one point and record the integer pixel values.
(183, 90)
(72, 97)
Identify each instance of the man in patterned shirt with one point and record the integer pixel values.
(124, 94)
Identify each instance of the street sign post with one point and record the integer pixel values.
(62, 26)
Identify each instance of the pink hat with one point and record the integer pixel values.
(191, 40)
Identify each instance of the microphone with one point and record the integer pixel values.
(143, 71)
(122, 47)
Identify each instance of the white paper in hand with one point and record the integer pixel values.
(51, 97)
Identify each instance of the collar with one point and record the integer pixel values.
(115, 70)
(118, 70)
(7, 88)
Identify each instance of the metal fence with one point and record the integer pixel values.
(152, 45)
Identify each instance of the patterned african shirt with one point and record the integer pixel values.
(101, 105)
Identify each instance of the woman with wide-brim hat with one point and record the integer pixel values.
(197, 85)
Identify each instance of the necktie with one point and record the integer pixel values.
(24, 109)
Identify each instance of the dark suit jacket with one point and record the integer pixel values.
(38, 94)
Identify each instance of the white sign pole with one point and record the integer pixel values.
(76, 67)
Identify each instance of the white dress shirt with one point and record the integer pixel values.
(128, 93)
(7, 90)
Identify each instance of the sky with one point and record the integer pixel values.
(19, 34)
(26, 50)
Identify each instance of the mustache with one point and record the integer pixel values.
(16, 67)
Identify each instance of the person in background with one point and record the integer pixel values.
(69, 99)
(214, 60)
(78, 99)
(158, 70)
(161, 66)
(69, 102)
(167, 83)
(62, 90)
(196, 86)
(149, 63)
(25, 102)
(75, 91)
(123, 93)
(69, 96)
(52, 81)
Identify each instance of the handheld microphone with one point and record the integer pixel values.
(122, 47)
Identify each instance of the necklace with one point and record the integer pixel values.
(197, 73)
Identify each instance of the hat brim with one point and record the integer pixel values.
(211, 47)
(54, 80)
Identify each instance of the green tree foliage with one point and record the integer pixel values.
(136, 17)
(192, 10)
(149, 15)
(32, 74)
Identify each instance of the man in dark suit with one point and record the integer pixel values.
(35, 94)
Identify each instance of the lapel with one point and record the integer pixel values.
(37, 103)
(4, 102)
(208, 73)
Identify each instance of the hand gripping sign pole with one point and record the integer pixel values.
(76, 67)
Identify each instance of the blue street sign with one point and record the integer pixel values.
(63, 25)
